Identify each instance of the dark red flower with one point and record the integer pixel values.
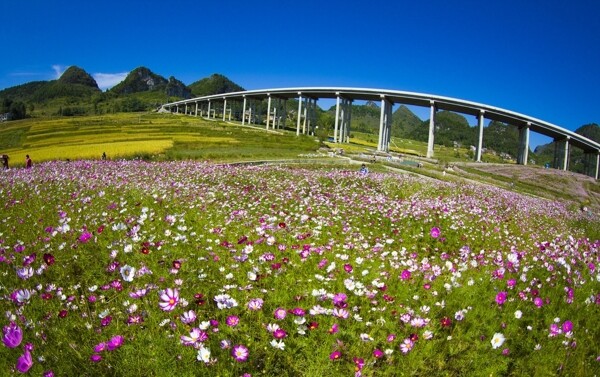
(49, 259)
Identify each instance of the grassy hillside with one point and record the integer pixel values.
(144, 135)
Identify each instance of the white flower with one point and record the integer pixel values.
(278, 344)
(203, 354)
(518, 314)
(497, 340)
(128, 248)
(128, 273)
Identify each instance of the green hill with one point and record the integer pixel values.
(215, 84)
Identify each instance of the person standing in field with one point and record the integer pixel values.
(5, 161)
(28, 162)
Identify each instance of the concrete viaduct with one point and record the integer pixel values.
(306, 121)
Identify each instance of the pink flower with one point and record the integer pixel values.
(335, 355)
(538, 302)
(24, 362)
(377, 353)
(115, 342)
(169, 298)
(232, 320)
(12, 335)
(279, 334)
(406, 346)
(405, 275)
(567, 326)
(188, 317)
(501, 298)
(279, 313)
(435, 232)
(95, 358)
(196, 337)
(85, 237)
(255, 304)
(240, 353)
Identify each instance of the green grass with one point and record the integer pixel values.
(152, 135)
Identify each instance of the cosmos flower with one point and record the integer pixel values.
(232, 320)
(188, 317)
(203, 354)
(196, 337)
(115, 342)
(335, 355)
(169, 299)
(127, 273)
(435, 232)
(255, 304)
(240, 353)
(501, 297)
(24, 362)
(280, 313)
(497, 340)
(406, 346)
(12, 335)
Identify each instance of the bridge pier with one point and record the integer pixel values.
(385, 125)
(561, 153)
(431, 129)
(591, 163)
(268, 109)
(480, 138)
(343, 111)
(299, 112)
(523, 153)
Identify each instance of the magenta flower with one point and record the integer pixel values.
(24, 362)
(232, 320)
(169, 299)
(538, 302)
(12, 335)
(339, 300)
(115, 342)
(405, 275)
(279, 334)
(240, 353)
(567, 326)
(100, 347)
(95, 358)
(501, 298)
(377, 353)
(435, 232)
(85, 237)
(335, 355)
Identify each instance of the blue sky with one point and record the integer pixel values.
(539, 58)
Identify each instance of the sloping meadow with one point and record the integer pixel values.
(187, 268)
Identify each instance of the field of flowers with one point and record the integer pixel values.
(186, 268)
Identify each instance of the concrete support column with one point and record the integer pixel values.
(349, 121)
(244, 112)
(561, 154)
(299, 112)
(385, 121)
(566, 155)
(479, 150)
(224, 108)
(268, 111)
(208, 115)
(196, 113)
(186, 109)
(523, 153)
(284, 113)
(337, 119)
(431, 130)
(597, 164)
(177, 109)
(305, 115)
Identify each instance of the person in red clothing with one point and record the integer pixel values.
(28, 162)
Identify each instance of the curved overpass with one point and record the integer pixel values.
(308, 97)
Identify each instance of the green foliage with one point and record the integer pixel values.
(76, 75)
(215, 84)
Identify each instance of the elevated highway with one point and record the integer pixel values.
(306, 120)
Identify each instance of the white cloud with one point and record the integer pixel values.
(108, 80)
(58, 70)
